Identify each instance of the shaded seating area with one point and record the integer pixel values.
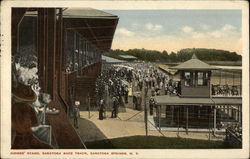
(226, 90)
(197, 113)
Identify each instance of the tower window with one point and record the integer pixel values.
(202, 79)
(188, 78)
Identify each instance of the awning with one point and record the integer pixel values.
(227, 101)
(176, 100)
(229, 67)
(96, 26)
(128, 57)
(111, 60)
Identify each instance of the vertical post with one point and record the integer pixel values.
(240, 85)
(78, 55)
(236, 113)
(225, 77)
(178, 120)
(187, 120)
(240, 114)
(51, 52)
(145, 113)
(74, 49)
(44, 114)
(214, 119)
(209, 109)
(220, 77)
(228, 113)
(233, 78)
(172, 117)
(60, 63)
(50, 135)
(220, 111)
(107, 99)
(89, 105)
(159, 117)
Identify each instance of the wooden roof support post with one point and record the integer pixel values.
(145, 113)
(159, 118)
(187, 120)
(215, 119)
(209, 113)
(41, 47)
(17, 15)
(240, 84)
(220, 77)
(240, 114)
(60, 63)
(51, 52)
(73, 54)
(172, 115)
(225, 77)
(178, 134)
(233, 78)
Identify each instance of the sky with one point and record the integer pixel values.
(173, 30)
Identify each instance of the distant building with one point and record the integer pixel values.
(110, 60)
(128, 57)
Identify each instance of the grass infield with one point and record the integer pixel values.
(155, 142)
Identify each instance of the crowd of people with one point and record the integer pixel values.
(113, 84)
(116, 81)
(236, 129)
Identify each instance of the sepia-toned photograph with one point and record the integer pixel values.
(86, 78)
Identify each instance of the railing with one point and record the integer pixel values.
(226, 90)
(233, 138)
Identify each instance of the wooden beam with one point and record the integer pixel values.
(17, 15)
(93, 34)
(51, 52)
(99, 37)
(91, 27)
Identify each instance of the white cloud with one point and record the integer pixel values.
(124, 32)
(153, 27)
(198, 35)
(135, 25)
(187, 29)
(216, 34)
(205, 27)
(226, 30)
(228, 27)
(191, 32)
(206, 32)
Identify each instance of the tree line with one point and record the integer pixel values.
(180, 56)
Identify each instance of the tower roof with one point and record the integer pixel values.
(194, 64)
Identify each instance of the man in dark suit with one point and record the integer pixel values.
(76, 113)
